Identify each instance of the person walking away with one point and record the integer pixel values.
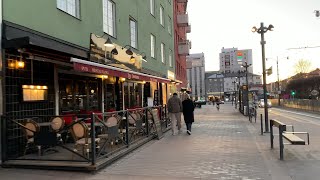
(175, 109)
(188, 115)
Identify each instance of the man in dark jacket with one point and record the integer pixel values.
(174, 109)
(188, 108)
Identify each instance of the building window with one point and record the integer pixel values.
(170, 57)
(153, 45)
(71, 7)
(162, 53)
(152, 7)
(133, 33)
(169, 25)
(161, 16)
(109, 17)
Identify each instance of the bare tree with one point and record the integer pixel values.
(302, 66)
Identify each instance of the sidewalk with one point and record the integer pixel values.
(223, 145)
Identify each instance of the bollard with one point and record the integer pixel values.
(266, 125)
(261, 124)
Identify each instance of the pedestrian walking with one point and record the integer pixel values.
(175, 109)
(188, 115)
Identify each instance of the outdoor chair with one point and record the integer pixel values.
(80, 133)
(57, 124)
(30, 127)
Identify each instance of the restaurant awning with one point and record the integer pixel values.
(96, 68)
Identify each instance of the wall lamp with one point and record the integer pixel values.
(108, 43)
(144, 57)
(128, 51)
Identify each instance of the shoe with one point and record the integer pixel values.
(180, 131)
(189, 132)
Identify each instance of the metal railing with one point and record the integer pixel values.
(88, 138)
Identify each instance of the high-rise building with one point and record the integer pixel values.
(196, 75)
(231, 60)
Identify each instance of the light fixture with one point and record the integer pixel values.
(270, 27)
(254, 29)
(105, 76)
(144, 57)
(20, 64)
(122, 79)
(114, 51)
(109, 43)
(132, 59)
(128, 51)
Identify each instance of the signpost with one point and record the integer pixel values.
(157, 123)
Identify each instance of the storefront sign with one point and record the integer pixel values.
(112, 72)
(102, 54)
(170, 75)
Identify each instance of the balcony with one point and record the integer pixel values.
(182, 20)
(188, 29)
(182, 1)
(184, 47)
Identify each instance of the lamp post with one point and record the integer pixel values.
(239, 77)
(261, 30)
(234, 93)
(246, 65)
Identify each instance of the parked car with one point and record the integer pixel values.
(261, 103)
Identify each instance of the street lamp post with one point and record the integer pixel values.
(246, 65)
(278, 79)
(239, 77)
(261, 30)
(234, 93)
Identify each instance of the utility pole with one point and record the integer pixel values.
(279, 92)
(246, 65)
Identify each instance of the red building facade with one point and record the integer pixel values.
(181, 43)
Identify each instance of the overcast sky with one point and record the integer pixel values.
(227, 23)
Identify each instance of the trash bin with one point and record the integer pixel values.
(245, 110)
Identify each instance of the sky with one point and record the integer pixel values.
(228, 23)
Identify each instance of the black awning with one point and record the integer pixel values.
(16, 36)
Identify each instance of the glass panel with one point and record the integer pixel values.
(131, 95)
(109, 97)
(66, 99)
(80, 95)
(126, 95)
(93, 101)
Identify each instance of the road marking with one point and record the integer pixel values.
(297, 119)
(316, 117)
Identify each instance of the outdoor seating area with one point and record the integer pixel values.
(83, 138)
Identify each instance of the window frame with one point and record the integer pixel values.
(106, 29)
(152, 7)
(170, 58)
(152, 46)
(162, 50)
(169, 25)
(135, 34)
(161, 15)
(76, 6)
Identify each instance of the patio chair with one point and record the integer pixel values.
(30, 127)
(111, 131)
(80, 133)
(57, 124)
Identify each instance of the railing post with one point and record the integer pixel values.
(93, 142)
(271, 133)
(281, 141)
(261, 124)
(147, 121)
(127, 127)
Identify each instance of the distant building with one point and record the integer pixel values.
(196, 75)
(214, 85)
(231, 60)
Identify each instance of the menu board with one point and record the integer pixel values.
(157, 123)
